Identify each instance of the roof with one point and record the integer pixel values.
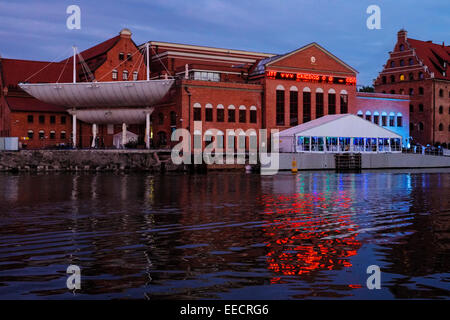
(433, 55)
(339, 125)
(97, 50)
(15, 71)
(31, 104)
(268, 61)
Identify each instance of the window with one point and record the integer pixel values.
(41, 135)
(231, 114)
(441, 127)
(52, 119)
(411, 76)
(421, 75)
(220, 113)
(383, 79)
(392, 79)
(121, 56)
(173, 118)
(52, 135)
(360, 114)
(411, 91)
(125, 75)
(441, 110)
(384, 120)
(114, 74)
(399, 120)
(420, 107)
(376, 118)
(402, 91)
(402, 48)
(402, 62)
(63, 120)
(30, 119)
(411, 61)
(411, 108)
(160, 118)
(129, 57)
(41, 119)
(135, 76)
(392, 64)
(63, 135)
(344, 103)
(319, 104)
(331, 103)
(306, 106)
(392, 91)
(402, 77)
(30, 134)
(205, 76)
(421, 90)
(293, 108)
(441, 93)
(368, 116)
(391, 120)
(420, 126)
(242, 114)
(280, 107)
(208, 113)
(253, 114)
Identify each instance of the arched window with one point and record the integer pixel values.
(30, 134)
(411, 61)
(402, 77)
(392, 64)
(231, 113)
(441, 93)
(160, 118)
(293, 106)
(208, 112)
(114, 74)
(331, 101)
(360, 114)
(441, 127)
(402, 62)
(173, 118)
(420, 126)
(420, 107)
(376, 117)
(392, 79)
(319, 103)
(399, 120)
(280, 105)
(135, 76)
(306, 104)
(402, 47)
(220, 113)
(368, 116)
(344, 102)
(197, 112)
(253, 114)
(441, 109)
(41, 134)
(125, 75)
(420, 75)
(384, 119)
(391, 119)
(242, 114)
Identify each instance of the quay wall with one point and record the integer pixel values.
(85, 160)
(325, 161)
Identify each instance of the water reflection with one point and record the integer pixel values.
(225, 235)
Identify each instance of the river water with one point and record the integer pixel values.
(226, 235)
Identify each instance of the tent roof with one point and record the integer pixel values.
(339, 125)
(101, 94)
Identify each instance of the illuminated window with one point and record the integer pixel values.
(402, 77)
(125, 75)
(114, 74)
(421, 75)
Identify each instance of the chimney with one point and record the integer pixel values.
(125, 33)
(401, 35)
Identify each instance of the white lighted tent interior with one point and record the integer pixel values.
(339, 133)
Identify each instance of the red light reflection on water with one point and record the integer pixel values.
(309, 232)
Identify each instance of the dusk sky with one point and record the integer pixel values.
(31, 29)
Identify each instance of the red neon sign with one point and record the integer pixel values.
(310, 77)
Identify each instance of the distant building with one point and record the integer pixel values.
(420, 69)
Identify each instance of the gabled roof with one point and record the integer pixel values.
(433, 56)
(100, 49)
(314, 44)
(15, 71)
(339, 125)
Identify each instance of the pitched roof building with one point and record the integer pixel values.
(421, 70)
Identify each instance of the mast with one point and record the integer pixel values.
(148, 61)
(74, 64)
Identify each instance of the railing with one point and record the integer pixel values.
(425, 151)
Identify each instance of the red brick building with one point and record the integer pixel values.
(222, 89)
(420, 69)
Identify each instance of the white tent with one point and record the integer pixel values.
(339, 133)
(118, 138)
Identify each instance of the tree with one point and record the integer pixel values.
(366, 89)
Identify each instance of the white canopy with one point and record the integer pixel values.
(339, 125)
(100, 94)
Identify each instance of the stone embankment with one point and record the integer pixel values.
(87, 160)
